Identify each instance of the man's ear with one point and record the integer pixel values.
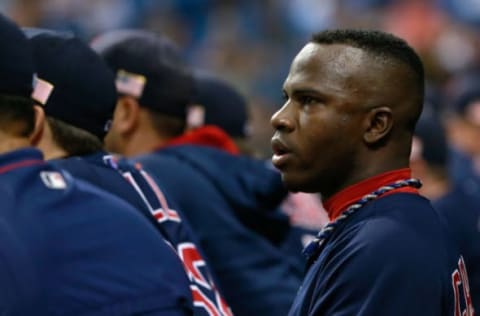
(126, 115)
(379, 125)
(39, 125)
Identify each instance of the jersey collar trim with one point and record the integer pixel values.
(20, 158)
(341, 200)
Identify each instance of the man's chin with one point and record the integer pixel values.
(298, 185)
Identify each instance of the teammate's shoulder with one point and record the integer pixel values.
(86, 191)
(158, 159)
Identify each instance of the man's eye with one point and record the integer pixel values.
(306, 100)
(284, 96)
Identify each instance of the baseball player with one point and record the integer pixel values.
(456, 202)
(231, 209)
(79, 111)
(67, 248)
(352, 99)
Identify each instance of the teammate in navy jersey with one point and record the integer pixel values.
(78, 110)
(67, 248)
(462, 129)
(352, 99)
(231, 201)
(455, 201)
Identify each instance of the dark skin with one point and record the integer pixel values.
(345, 118)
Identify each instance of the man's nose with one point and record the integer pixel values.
(282, 120)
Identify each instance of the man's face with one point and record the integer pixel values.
(319, 129)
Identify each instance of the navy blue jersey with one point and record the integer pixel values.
(133, 184)
(94, 170)
(67, 248)
(461, 209)
(232, 203)
(392, 257)
(462, 170)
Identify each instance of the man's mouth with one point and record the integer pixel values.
(281, 153)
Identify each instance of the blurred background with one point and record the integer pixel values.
(252, 42)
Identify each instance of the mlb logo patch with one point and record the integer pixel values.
(53, 180)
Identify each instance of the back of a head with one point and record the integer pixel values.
(466, 104)
(219, 104)
(83, 94)
(463, 118)
(390, 51)
(430, 141)
(17, 78)
(150, 68)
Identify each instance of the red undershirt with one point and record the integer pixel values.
(341, 200)
(208, 135)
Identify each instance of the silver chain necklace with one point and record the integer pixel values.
(312, 250)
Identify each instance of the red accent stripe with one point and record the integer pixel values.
(336, 204)
(156, 190)
(20, 164)
(159, 215)
(200, 299)
(173, 215)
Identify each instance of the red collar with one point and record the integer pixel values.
(208, 135)
(341, 200)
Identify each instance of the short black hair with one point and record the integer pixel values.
(383, 46)
(431, 133)
(378, 43)
(73, 140)
(166, 125)
(17, 116)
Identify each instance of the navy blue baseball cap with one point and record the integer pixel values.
(431, 140)
(467, 104)
(83, 92)
(148, 67)
(219, 103)
(16, 62)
